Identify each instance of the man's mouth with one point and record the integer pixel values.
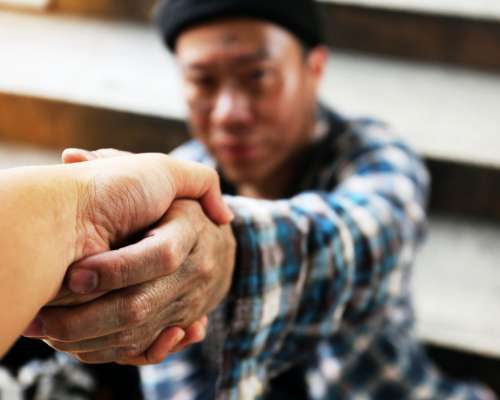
(238, 152)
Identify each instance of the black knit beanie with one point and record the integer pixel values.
(300, 17)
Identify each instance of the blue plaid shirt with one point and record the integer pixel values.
(320, 306)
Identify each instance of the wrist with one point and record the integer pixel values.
(70, 189)
(88, 237)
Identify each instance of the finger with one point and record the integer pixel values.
(123, 339)
(71, 156)
(74, 155)
(72, 299)
(62, 294)
(105, 356)
(160, 349)
(151, 258)
(118, 311)
(195, 333)
(195, 181)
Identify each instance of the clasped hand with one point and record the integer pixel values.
(149, 295)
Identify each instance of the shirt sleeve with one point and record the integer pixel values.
(307, 264)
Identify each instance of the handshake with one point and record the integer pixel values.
(153, 255)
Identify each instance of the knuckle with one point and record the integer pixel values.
(193, 207)
(166, 255)
(88, 358)
(134, 311)
(128, 352)
(56, 345)
(195, 304)
(169, 257)
(120, 272)
(214, 176)
(153, 357)
(185, 315)
(64, 331)
(125, 338)
(205, 271)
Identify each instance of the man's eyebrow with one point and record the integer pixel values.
(249, 58)
(259, 55)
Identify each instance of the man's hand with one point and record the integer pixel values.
(144, 296)
(180, 271)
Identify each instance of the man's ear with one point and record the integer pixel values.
(316, 62)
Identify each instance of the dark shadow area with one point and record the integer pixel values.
(466, 366)
(114, 382)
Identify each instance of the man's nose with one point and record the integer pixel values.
(232, 107)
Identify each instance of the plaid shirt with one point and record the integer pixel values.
(320, 305)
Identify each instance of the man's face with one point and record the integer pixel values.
(251, 95)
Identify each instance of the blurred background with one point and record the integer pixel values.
(93, 73)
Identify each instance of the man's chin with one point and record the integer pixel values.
(242, 176)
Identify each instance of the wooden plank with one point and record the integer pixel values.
(456, 285)
(465, 189)
(107, 9)
(464, 33)
(484, 9)
(38, 5)
(420, 36)
(57, 125)
(131, 9)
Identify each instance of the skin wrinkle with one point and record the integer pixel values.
(91, 214)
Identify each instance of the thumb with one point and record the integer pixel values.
(196, 181)
(71, 156)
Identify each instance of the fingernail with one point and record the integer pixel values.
(89, 155)
(230, 213)
(180, 335)
(35, 329)
(203, 333)
(82, 281)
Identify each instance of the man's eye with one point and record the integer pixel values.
(204, 82)
(258, 75)
(260, 80)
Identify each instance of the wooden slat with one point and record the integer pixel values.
(119, 9)
(465, 189)
(131, 9)
(482, 9)
(455, 283)
(57, 125)
(421, 36)
(395, 31)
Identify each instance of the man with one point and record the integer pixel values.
(328, 215)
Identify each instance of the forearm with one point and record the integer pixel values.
(308, 264)
(38, 208)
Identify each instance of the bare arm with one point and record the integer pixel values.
(38, 210)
